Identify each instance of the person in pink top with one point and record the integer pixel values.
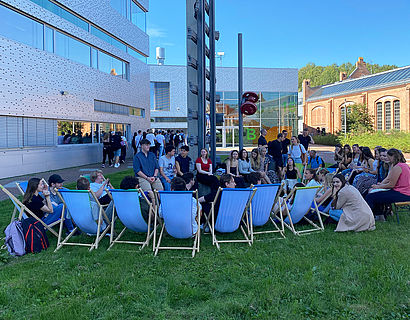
(394, 188)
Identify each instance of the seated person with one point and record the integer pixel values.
(130, 182)
(182, 161)
(167, 167)
(396, 185)
(178, 184)
(98, 186)
(314, 161)
(189, 181)
(356, 215)
(255, 178)
(84, 184)
(55, 183)
(38, 205)
(310, 176)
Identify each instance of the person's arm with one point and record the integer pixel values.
(311, 140)
(240, 167)
(228, 167)
(99, 192)
(391, 179)
(210, 170)
(48, 207)
(303, 150)
(342, 198)
(178, 168)
(199, 169)
(324, 196)
(298, 173)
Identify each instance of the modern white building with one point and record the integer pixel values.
(72, 66)
(277, 107)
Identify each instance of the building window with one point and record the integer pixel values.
(379, 116)
(387, 115)
(72, 49)
(342, 117)
(396, 106)
(160, 96)
(318, 116)
(20, 28)
(74, 132)
(163, 119)
(130, 10)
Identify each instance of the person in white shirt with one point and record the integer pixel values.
(151, 138)
(138, 139)
(161, 140)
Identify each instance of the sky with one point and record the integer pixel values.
(291, 33)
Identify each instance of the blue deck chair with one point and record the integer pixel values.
(79, 203)
(233, 208)
(332, 170)
(303, 198)
(22, 210)
(22, 186)
(176, 209)
(263, 202)
(128, 210)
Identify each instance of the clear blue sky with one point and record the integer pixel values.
(291, 33)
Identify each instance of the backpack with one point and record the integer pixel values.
(34, 235)
(15, 239)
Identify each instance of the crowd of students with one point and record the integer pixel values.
(361, 186)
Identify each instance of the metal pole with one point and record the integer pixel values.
(240, 89)
(345, 118)
(212, 80)
(201, 75)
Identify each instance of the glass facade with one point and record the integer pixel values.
(160, 96)
(130, 10)
(109, 107)
(396, 105)
(276, 111)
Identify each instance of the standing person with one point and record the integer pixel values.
(161, 143)
(167, 167)
(285, 144)
(397, 184)
(167, 137)
(244, 165)
(60, 139)
(262, 139)
(306, 139)
(356, 214)
(67, 137)
(258, 165)
(177, 139)
(183, 161)
(106, 150)
(151, 138)
(183, 138)
(298, 153)
(275, 151)
(146, 168)
(116, 147)
(133, 145)
(124, 146)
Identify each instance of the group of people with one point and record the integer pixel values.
(74, 138)
(114, 148)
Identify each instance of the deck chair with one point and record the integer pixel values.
(22, 210)
(22, 186)
(78, 202)
(176, 208)
(303, 198)
(127, 206)
(263, 203)
(233, 208)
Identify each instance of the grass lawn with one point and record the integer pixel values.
(320, 276)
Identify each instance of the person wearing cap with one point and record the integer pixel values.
(55, 182)
(146, 168)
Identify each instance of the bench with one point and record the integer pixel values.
(400, 206)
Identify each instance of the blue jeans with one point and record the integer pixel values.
(161, 151)
(56, 215)
(167, 186)
(284, 159)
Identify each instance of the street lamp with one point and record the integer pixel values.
(345, 118)
(219, 55)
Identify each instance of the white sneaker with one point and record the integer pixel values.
(116, 165)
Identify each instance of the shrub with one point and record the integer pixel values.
(393, 139)
(327, 140)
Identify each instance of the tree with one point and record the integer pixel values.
(358, 119)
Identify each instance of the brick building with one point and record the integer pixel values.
(386, 94)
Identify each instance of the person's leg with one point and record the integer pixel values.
(117, 154)
(167, 186)
(376, 199)
(105, 154)
(146, 186)
(157, 185)
(284, 158)
(210, 181)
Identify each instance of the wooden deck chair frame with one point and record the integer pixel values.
(291, 226)
(23, 209)
(150, 233)
(398, 207)
(321, 203)
(246, 219)
(157, 221)
(101, 216)
(271, 220)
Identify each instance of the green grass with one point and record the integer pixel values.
(320, 276)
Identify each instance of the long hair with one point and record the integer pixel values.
(241, 155)
(313, 173)
(255, 162)
(207, 153)
(287, 164)
(397, 156)
(231, 155)
(349, 153)
(341, 177)
(366, 154)
(31, 189)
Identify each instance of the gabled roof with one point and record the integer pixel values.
(371, 82)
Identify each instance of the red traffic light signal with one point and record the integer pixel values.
(248, 106)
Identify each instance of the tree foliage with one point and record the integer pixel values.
(358, 119)
(321, 75)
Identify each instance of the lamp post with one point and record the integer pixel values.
(345, 118)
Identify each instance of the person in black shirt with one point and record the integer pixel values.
(285, 144)
(34, 202)
(275, 151)
(182, 161)
(116, 147)
(305, 139)
(262, 140)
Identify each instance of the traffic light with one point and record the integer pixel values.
(248, 105)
